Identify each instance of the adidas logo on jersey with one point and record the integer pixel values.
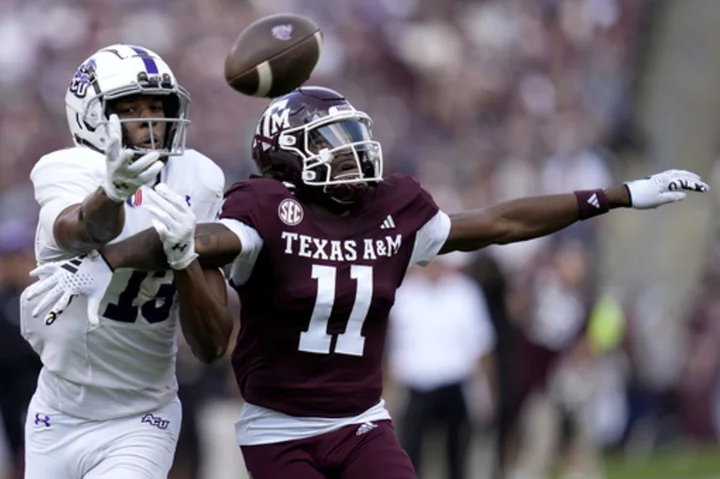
(593, 200)
(365, 427)
(388, 223)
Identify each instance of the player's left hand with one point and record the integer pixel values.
(60, 282)
(175, 223)
(662, 188)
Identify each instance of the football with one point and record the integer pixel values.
(274, 55)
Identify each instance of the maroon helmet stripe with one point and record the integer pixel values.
(263, 138)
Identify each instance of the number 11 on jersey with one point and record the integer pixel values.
(316, 339)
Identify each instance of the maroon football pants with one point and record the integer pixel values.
(353, 452)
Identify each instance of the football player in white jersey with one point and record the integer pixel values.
(106, 405)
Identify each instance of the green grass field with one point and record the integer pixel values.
(697, 463)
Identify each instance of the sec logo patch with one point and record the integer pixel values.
(290, 212)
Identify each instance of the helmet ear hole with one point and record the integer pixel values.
(84, 124)
(171, 106)
(286, 140)
(171, 109)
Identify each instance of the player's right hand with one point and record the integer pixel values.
(662, 188)
(124, 176)
(175, 224)
(60, 282)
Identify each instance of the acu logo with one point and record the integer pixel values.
(290, 212)
(84, 77)
(156, 421)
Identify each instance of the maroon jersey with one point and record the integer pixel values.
(315, 308)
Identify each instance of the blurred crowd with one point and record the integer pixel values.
(486, 96)
(481, 100)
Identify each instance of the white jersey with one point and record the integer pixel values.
(126, 364)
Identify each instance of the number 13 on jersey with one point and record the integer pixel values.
(316, 339)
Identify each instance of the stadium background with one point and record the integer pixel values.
(483, 101)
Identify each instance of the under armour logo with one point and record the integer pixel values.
(156, 421)
(179, 247)
(42, 419)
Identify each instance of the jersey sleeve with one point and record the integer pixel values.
(239, 215)
(211, 185)
(430, 224)
(421, 215)
(434, 232)
(430, 239)
(251, 245)
(61, 180)
(241, 203)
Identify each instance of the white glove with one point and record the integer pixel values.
(124, 176)
(175, 223)
(662, 188)
(61, 281)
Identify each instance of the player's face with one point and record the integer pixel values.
(142, 106)
(335, 136)
(344, 166)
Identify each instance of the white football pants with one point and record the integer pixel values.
(59, 446)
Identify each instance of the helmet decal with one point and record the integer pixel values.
(83, 79)
(275, 118)
(150, 65)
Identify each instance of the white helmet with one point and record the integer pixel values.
(117, 71)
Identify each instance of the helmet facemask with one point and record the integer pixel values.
(175, 105)
(338, 154)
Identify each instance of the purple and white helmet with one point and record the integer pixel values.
(118, 71)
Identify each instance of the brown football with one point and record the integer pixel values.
(274, 55)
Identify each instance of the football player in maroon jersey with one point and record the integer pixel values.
(317, 247)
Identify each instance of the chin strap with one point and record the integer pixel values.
(346, 193)
(86, 143)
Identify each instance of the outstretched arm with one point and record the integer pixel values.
(529, 218)
(204, 315)
(100, 217)
(85, 226)
(202, 293)
(215, 245)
